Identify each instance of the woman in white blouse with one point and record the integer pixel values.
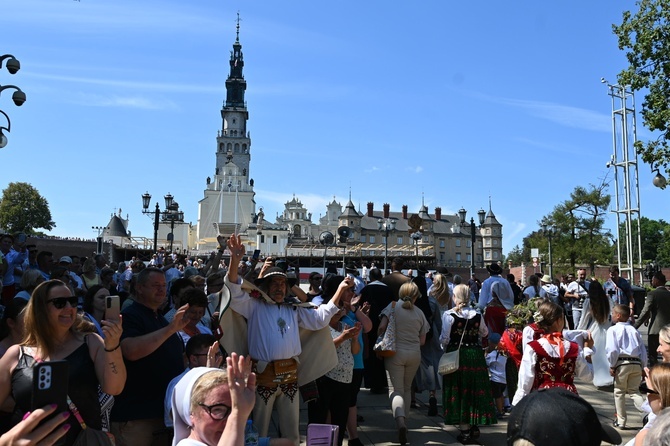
(411, 327)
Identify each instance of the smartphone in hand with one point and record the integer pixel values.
(50, 386)
(112, 308)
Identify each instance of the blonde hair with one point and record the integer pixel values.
(664, 334)
(204, 384)
(522, 442)
(659, 375)
(408, 293)
(39, 331)
(461, 296)
(440, 290)
(548, 313)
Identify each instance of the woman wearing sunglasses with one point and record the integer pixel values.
(55, 331)
(657, 388)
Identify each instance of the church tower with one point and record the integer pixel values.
(229, 203)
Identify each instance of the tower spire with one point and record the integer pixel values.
(237, 38)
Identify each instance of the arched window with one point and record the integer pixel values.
(237, 148)
(297, 231)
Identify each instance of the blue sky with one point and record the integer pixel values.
(449, 102)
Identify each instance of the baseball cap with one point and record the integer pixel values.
(558, 417)
(65, 259)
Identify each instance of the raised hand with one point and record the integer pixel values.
(242, 384)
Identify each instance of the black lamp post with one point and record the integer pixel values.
(417, 236)
(387, 225)
(548, 231)
(481, 214)
(326, 238)
(171, 213)
(19, 97)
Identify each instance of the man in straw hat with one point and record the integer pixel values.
(274, 338)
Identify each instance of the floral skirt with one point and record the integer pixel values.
(466, 393)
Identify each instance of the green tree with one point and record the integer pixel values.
(663, 251)
(515, 256)
(645, 38)
(653, 236)
(580, 236)
(23, 209)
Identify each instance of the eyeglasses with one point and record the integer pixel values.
(217, 412)
(645, 389)
(59, 302)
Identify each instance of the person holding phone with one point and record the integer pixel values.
(30, 430)
(55, 331)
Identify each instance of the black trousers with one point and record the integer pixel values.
(334, 397)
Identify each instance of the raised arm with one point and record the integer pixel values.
(137, 347)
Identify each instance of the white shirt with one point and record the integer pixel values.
(496, 361)
(583, 370)
(623, 339)
(448, 320)
(503, 291)
(273, 330)
(550, 291)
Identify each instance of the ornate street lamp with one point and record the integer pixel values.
(481, 214)
(326, 238)
(387, 225)
(548, 230)
(171, 214)
(19, 97)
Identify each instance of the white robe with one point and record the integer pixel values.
(601, 367)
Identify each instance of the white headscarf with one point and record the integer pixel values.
(181, 402)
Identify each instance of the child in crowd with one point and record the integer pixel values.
(551, 360)
(496, 361)
(511, 345)
(627, 357)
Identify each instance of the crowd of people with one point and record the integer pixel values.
(201, 347)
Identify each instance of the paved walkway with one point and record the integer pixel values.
(378, 427)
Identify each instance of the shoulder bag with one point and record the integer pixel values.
(89, 436)
(449, 362)
(385, 345)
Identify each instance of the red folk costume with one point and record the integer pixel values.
(555, 372)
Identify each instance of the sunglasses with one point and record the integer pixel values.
(217, 412)
(645, 389)
(59, 302)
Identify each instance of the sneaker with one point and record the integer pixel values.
(500, 415)
(354, 442)
(465, 438)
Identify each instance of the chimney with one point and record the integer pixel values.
(387, 209)
(438, 214)
(371, 207)
(404, 212)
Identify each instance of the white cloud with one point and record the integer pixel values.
(125, 102)
(138, 85)
(565, 115)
